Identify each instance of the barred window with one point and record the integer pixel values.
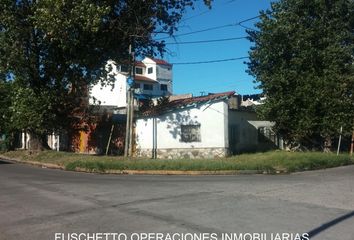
(266, 134)
(148, 87)
(190, 133)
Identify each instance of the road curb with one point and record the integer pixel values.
(170, 172)
(33, 163)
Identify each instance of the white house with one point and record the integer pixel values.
(153, 78)
(201, 127)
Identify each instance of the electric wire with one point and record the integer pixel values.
(210, 61)
(206, 41)
(212, 28)
(198, 31)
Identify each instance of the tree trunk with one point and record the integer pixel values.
(37, 142)
(327, 145)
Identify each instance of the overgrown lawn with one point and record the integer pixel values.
(270, 162)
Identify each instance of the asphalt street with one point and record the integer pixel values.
(37, 203)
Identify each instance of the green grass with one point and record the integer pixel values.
(270, 162)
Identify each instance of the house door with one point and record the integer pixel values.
(233, 138)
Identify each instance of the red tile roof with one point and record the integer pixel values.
(145, 79)
(180, 96)
(186, 102)
(161, 62)
(139, 64)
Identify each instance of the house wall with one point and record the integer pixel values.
(150, 63)
(156, 89)
(95, 138)
(25, 140)
(58, 142)
(244, 132)
(116, 95)
(164, 72)
(110, 95)
(164, 76)
(168, 142)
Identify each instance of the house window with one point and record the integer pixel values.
(137, 85)
(190, 133)
(148, 87)
(266, 135)
(234, 134)
(138, 70)
(163, 87)
(150, 70)
(124, 68)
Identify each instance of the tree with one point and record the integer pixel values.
(55, 49)
(302, 58)
(5, 102)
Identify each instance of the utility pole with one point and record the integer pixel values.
(128, 146)
(131, 124)
(340, 139)
(127, 127)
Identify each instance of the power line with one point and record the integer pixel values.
(213, 28)
(248, 19)
(248, 28)
(211, 61)
(206, 41)
(197, 15)
(199, 31)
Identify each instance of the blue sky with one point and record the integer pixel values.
(214, 77)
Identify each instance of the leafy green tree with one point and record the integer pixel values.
(302, 58)
(5, 103)
(55, 49)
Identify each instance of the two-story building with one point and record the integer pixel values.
(153, 79)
